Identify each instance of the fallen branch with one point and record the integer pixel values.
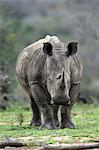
(11, 143)
(71, 146)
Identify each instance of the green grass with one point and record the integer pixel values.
(85, 118)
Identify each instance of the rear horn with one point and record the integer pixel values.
(63, 75)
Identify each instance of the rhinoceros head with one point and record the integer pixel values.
(58, 72)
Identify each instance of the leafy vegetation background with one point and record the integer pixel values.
(23, 22)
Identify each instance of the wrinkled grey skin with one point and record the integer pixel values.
(50, 74)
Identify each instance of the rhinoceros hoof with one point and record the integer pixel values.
(56, 123)
(35, 123)
(47, 126)
(69, 125)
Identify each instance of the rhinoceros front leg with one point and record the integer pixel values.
(66, 121)
(36, 119)
(42, 99)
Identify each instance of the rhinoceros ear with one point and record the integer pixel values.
(47, 48)
(71, 48)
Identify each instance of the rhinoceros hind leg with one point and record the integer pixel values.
(55, 109)
(36, 119)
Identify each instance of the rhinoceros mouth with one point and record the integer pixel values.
(60, 101)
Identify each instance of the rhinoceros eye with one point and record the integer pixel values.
(49, 79)
(58, 77)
